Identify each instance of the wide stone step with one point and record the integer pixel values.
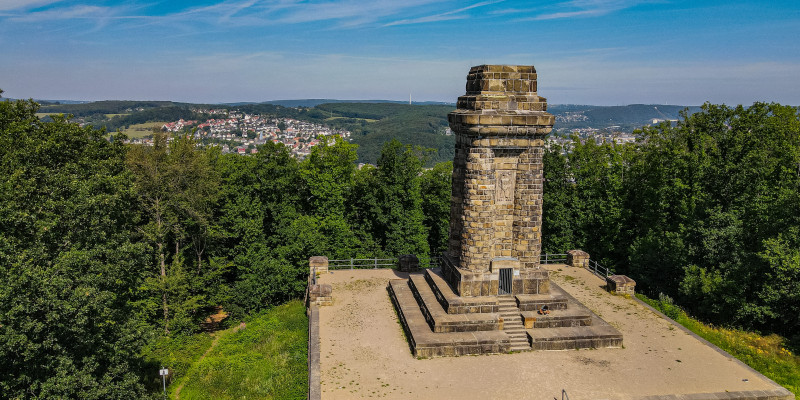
(599, 334)
(441, 321)
(451, 302)
(426, 343)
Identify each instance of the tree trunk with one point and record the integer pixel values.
(163, 286)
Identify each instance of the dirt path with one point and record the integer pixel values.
(212, 322)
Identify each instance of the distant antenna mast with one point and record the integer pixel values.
(409, 98)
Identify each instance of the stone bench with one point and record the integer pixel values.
(426, 343)
(439, 320)
(454, 304)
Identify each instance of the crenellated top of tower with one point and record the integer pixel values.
(502, 100)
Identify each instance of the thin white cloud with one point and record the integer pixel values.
(449, 15)
(75, 12)
(8, 5)
(345, 13)
(586, 8)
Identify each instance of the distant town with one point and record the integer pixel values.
(238, 132)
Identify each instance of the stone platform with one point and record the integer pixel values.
(438, 322)
(364, 354)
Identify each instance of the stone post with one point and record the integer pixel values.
(621, 284)
(578, 258)
(407, 263)
(318, 262)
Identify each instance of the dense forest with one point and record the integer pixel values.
(706, 211)
(105, 246)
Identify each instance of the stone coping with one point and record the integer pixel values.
(555, 300)
(441, 321)
(453, 303)
(314, 390)
(556, 318)
(426, 343)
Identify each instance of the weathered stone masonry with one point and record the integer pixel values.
(496, 206)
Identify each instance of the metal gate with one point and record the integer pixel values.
(504, 286)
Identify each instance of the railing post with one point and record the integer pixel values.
(376, 263)
(351, 263)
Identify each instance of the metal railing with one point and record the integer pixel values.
(363, 263)
(430, 262)
(424, 262)
(599, 270)
(552, 258)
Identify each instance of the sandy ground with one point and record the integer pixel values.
(363, 353)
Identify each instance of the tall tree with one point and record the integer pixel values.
(177, 187)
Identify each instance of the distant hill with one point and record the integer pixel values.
(316, 102)
(624, 118)
(373, 122)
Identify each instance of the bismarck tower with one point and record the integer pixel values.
(496, 205)
(490, 295)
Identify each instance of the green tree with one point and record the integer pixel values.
(395, 216)
(69, 261)
(435, 188)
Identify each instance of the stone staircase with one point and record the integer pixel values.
(439, 322)
(512, 323)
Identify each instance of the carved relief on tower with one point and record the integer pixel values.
(504, 186)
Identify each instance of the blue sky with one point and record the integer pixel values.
(603, 52)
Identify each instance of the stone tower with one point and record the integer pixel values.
(496, 205)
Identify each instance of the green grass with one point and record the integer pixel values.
(265, 360)
(141, 130)
(766, 354)
(177, 353)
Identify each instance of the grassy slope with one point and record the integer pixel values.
(766, 354)
(265, 360)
